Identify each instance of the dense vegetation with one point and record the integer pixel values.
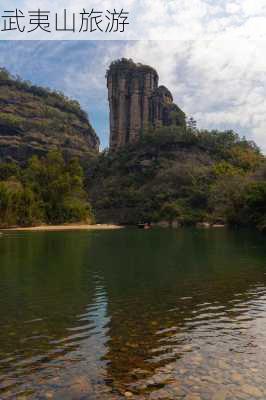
(174, 174)
(34, 120)
(181, 174)
(47, 190)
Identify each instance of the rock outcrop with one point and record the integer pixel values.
(136, 102)
(34, 120)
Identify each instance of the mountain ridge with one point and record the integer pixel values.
(35, 120)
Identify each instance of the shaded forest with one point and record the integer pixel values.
(181, 174)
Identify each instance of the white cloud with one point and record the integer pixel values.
(162, 19)
(233, 7)
(221, 83)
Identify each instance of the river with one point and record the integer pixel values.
(141, 314)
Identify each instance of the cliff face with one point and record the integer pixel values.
(34, 120)
(137, 103)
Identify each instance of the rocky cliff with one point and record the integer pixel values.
(137, 104)
(34, 120)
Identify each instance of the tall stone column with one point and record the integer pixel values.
(122, 112)
(146, 101)
(130, 93)
(135, 111)
(112, 113)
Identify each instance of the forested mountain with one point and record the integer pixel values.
(184, 175)
(35, 120)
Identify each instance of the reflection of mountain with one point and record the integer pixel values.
(118, 306)
(45, 285)
(173, 288)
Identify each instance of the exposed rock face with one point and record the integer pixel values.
(34, 120)
(137, 103)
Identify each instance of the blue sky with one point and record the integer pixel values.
(221, 83)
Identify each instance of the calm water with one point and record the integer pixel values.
(159, 314)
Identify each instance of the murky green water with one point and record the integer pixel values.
(159, 314)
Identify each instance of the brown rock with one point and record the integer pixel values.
(236, 377)
(220, 395)
(193, 396)
(128, 394)
(49, 395)
(251, 391)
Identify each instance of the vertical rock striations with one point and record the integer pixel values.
(137, 103)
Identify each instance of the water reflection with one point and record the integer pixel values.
(150, 314)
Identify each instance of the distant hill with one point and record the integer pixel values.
(35, 120)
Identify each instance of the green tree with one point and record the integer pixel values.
(59, 186)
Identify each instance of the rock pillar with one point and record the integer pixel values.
(136, 102)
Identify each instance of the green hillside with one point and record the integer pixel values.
(181, 175)
(35, 120)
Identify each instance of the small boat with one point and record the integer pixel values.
(145, 225)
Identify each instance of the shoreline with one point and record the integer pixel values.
(67, 227)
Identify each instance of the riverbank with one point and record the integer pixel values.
(68, 227)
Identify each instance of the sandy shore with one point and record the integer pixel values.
(70, 227)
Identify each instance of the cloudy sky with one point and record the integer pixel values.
(221, 83)
(156, 19)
